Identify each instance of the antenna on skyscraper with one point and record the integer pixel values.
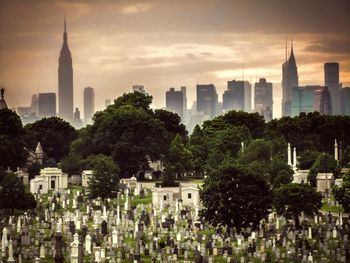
(65, 28)
(286, 48)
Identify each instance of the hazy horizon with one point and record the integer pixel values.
(168, 43)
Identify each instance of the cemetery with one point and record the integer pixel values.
(70, 228)
(134, 187)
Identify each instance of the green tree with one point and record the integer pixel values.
(54, 134)
(34, 170)
(198, 147)
(254, 122)
(105, 179)
(13, 195)
(307, 159)
(169, 177)
(136, 99)
(225, 144)
(72, 164)
(325, 163)
(262, 157)
(129, 135)
(342, 193)
(12, 143)
(235, 197)
(178, 160)
(172, 123)
(312, 131)
(345, 157)
(290, 200)
(279, 172)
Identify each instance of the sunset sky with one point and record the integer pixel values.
(167, 43)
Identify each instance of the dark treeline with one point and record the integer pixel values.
(237, 150)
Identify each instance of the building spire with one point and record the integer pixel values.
(65, 32)
(65, 28)
(286, 49)
(291, 49)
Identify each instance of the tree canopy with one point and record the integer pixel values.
(12, 143)
(130, 132)
(13, 194)
(290, 200)
(342, 193)
(54, 134)
(324, 163)
(312, 131)
(105, 178)
(177, 161)
(235, 197)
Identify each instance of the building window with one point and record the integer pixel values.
(189, 195)
(164, 197)
(40, 187)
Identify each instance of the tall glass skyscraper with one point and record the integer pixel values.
(331, 80)
(289, 81)
(65, 80)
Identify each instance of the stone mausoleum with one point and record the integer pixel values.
(49, 179)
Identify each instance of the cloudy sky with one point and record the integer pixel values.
(165, 43)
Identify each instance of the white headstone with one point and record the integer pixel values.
(10, 258)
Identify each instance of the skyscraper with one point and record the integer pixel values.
(302, 100)
(89, 104)
(34, 106)
(237, 96)
(139, 88)
(207, 100)
(263, 98)
(185, 117)
(311, 98)
(65, 80)
(47, 104)
(322, 100)
(345, 101)
(289, 80)
(331, 80)
(77, 122)
(174, 101)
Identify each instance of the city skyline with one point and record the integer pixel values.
(113, 53)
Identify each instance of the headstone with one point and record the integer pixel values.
(10, 258)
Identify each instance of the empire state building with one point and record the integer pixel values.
(290, 79)
(65, 80)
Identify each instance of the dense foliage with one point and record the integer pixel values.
(12, 143)
(105, 178)
(325, 163)
(290, 200)
(130, 132)
(342, 193)
(13, 194)
(312, 131)
(54, 134)
(235, 197)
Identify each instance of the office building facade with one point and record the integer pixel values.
(207, 100)
(174, 101)
(89, 104)
(263, 102)
(47, 104)
(331, 80)
(237, 96)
